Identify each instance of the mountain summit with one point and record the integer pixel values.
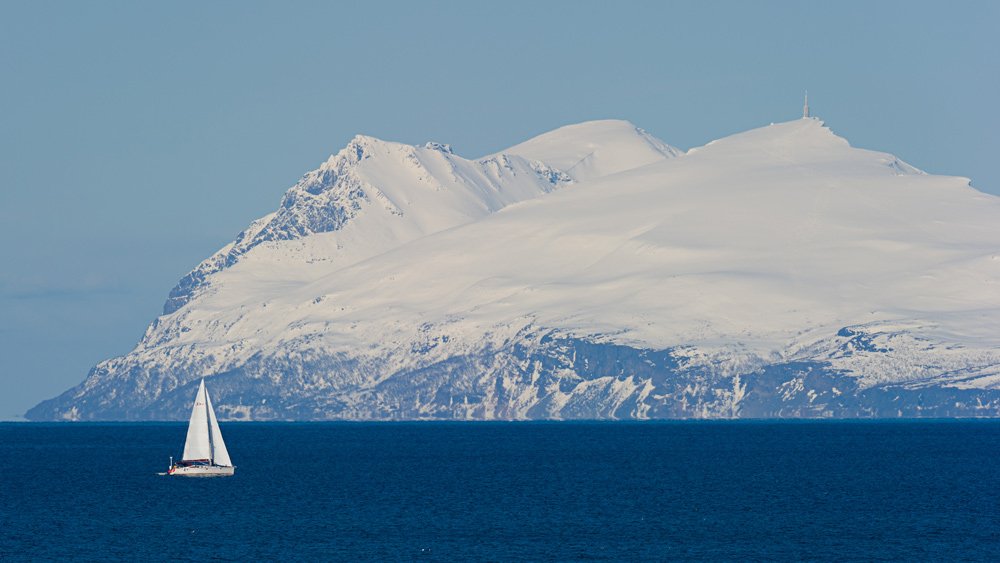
(591, 272)
(596, 148)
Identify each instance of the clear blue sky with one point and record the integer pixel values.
(136, 139)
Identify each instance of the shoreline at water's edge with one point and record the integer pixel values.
(539, 422)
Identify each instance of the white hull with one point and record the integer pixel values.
(202, 471)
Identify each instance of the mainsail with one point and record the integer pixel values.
(204, 439)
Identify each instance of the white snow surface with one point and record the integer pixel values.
(754, 248)
(596, 148)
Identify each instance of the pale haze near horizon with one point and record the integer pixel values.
(137, 140)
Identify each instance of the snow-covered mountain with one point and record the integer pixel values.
(591, 272)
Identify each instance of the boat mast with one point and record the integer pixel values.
(208, 427)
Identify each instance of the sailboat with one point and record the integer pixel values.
(205, 453)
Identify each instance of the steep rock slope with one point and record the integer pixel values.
(777, 272)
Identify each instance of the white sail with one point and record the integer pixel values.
(220, 456)
(197, 445)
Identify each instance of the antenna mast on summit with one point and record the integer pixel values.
(805, 107)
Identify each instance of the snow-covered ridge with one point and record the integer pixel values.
(776, 272)
(401, 192)
(425, 188)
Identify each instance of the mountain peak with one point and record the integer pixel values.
(356, 150)
(440, 147)
(806, 141)
(365, 140)
(809, 131)
(595, 148)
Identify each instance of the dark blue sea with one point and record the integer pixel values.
(507, 492)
